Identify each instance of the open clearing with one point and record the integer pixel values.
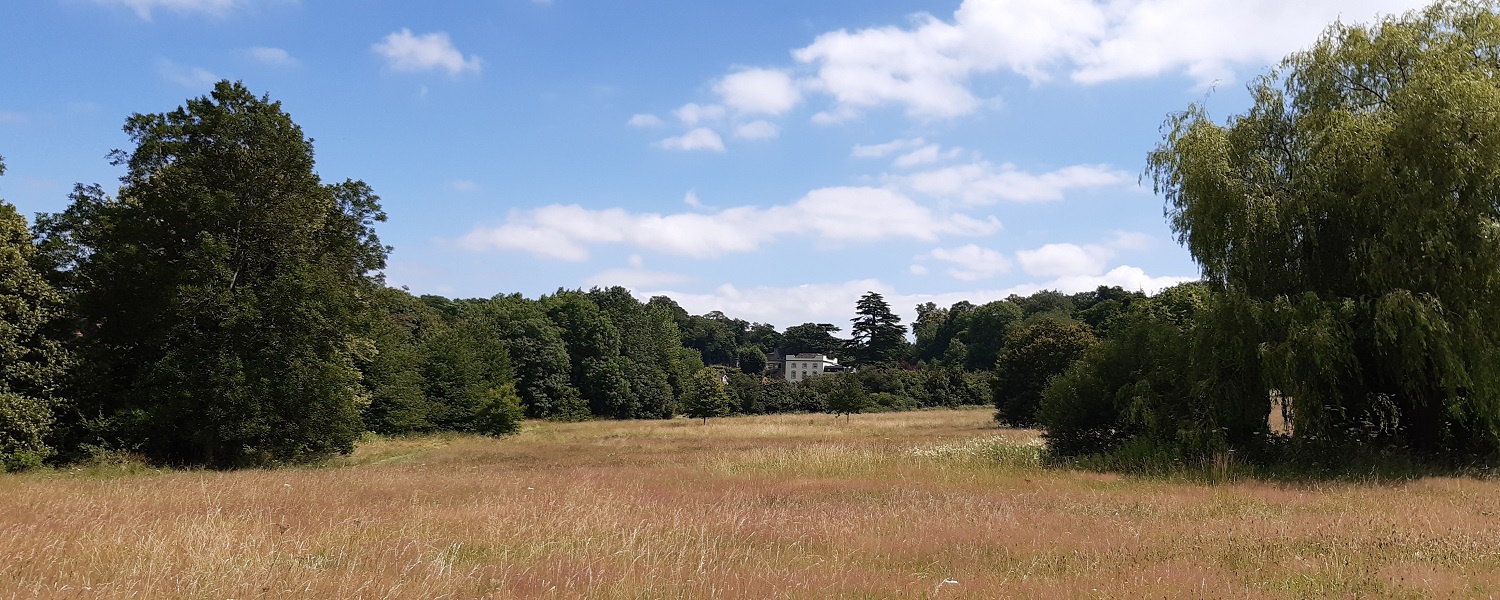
(793, 506)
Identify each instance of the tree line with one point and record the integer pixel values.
(224, 308)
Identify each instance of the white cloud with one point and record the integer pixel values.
(634, 278)
(835, 215)
(1064, 260)
(691, 199)
(186, 76)
(404, 51)
(701, 138)
(465, 186)
(757, 130)
(928, 154)
(927, 66)
(645, 120)
(1130, 278)
(886, 149)
(273, 57)
(984, 183)
(971, 262)
(693, 113)
(759, 91)
(917, 269)
(1073, 260)
(212, 8)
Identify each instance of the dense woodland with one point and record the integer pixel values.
(224, 307)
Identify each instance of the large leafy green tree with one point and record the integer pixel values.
(32, 362)
(1034, 354)
(222, 289)
(1348, 222)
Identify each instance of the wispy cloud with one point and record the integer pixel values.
(272, 57)
(145, 8)
(701, 138)
(644, 120)
(194, 77)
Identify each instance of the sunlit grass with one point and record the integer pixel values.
(899, 505)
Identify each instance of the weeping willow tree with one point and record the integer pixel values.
(1350, 225)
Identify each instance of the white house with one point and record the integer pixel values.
(801, 366)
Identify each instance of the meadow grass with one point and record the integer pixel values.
(932, 504)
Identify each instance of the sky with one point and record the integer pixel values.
(771, 159)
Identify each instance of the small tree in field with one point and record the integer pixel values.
(706, 396)
(848, 397)
(500, 411)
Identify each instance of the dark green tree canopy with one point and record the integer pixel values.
(878, 337)
(1034, 354)
(222, 288)
(811, 337)
(1348, 222)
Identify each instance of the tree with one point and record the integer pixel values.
(222, 289)
(539, 356)
(763, 336)
(878, 337)
(986, 329)
(32, 362)
(399, 325)
(816, 338)
(706, 396)
(752, 360)
(1347, 225)
(500, 411)
(1138, 382)
(846, 397)
(1034, 354)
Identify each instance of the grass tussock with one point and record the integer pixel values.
(936, 504)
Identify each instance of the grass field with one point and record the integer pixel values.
(902, 505)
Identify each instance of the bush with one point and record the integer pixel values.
(500, 411)
(1034, 354)
(24, 425)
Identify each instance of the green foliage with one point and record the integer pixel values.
(33, 363)
(398, 325)
(1347, 225)
(1139, 382)
(538, 355)
(25, 424)
(878, 337)
(986, 329)
(707, 395)
(1034, 354)
(814, 338)
(752, 360)
(845, 395)
(223, 289)
(500, 412)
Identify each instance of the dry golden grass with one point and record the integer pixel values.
(887, 506)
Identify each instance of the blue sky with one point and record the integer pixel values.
(771, 159)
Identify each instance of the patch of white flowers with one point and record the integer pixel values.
(996, 448)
